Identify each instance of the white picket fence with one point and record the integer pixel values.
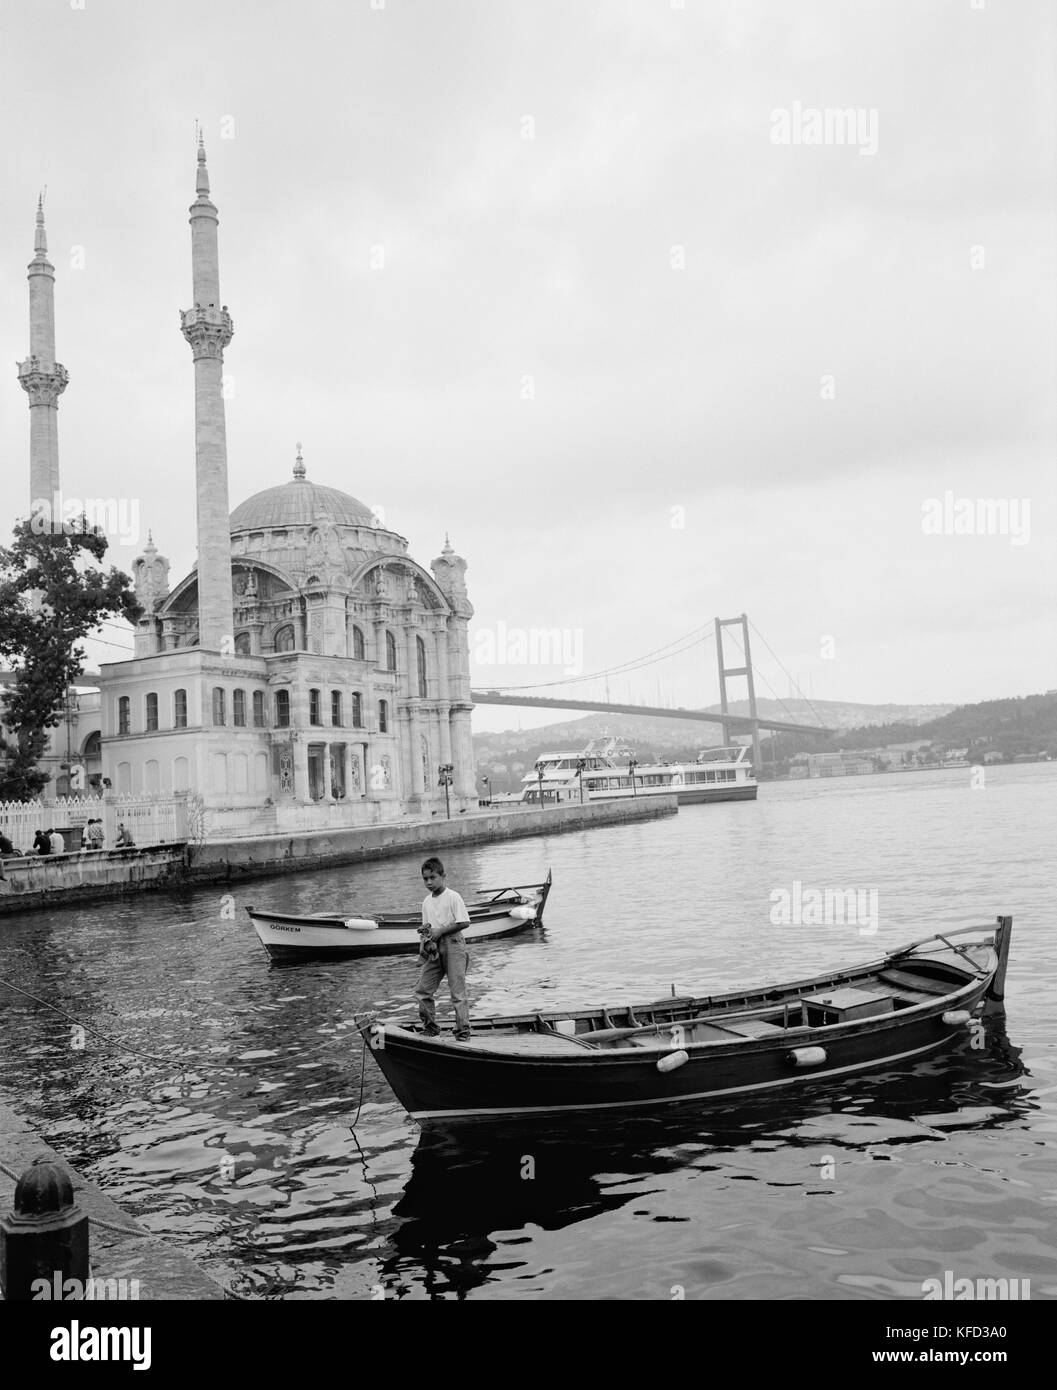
(151, 820)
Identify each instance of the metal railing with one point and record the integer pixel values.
(150, 820)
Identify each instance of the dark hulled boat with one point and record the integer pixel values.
(910, 1003)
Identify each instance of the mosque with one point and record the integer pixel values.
(307, 673)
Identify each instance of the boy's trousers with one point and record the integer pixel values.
(452, 963)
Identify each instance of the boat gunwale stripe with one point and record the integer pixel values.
(677, 1100)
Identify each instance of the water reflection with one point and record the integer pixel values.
(474, 1182)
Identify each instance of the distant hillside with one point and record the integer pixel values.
(504, 757)
(1019, 724)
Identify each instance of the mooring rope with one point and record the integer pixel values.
(363, 1070)
(95, 1220)
(91, 1028)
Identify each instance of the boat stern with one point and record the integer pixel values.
(994, 999)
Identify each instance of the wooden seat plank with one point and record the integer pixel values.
(916, 982)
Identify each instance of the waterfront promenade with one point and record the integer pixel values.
(34, 882)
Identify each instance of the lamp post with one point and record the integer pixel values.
(539, 775)
(446, 770)
(487, 792)
(632, 765)
(581, 763)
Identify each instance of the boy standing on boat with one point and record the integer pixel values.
(444, 915)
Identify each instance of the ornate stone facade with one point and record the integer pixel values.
(309, 672)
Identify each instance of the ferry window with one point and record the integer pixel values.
(282, 709)
(179, 707)
(124, 715)
(313, 708)
(335, 707)
(258, 709)
(219, 710)
(357, 644)
(710, 776)
(238, 708)
(357, 710)
(390, 652)
(152, 712)
(383, 716)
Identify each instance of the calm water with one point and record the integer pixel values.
(239, 1148)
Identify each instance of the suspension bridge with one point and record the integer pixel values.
(752, 723)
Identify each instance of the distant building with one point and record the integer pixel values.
(73, 756)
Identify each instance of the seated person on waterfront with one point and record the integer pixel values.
(93, 835)
(41, 843)
(444, 915)
(124, 838)
(6, 847)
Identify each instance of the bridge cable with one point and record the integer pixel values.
(786, 673)
(636, 663)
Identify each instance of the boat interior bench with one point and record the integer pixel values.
(919, 985)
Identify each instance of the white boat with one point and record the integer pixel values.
(495, 912)
(717, 774)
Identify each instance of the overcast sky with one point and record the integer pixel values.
(618, 291)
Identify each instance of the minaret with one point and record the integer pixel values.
(208, 328)
(42, 378)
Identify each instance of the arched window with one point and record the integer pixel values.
(282, 709)
(383, 716)
(314, 716)
(152, 713)
(219, 707)
(420, 652)
(242, 644)
(124, 715)
(258, 709)
(358, 648)
(179, 709)
(357, 710)
(284, 638)
(238, 708)
(335, 708)
(390, 652)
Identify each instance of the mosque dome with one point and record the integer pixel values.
(299, 503)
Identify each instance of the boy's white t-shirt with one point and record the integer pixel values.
(443, 910)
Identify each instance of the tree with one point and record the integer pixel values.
(52, 596)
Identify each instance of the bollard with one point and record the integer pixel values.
(45, 1237)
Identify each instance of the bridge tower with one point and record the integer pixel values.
(746, 671)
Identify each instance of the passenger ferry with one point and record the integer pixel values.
(718, 774)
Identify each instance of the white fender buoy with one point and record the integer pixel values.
(672, 1060)
(524, 913)
(957, 1018)
(807, 1056)
(360, 924)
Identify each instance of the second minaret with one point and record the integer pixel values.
(208, 329)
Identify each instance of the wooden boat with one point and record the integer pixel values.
(906, 1005)
(496, 912)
